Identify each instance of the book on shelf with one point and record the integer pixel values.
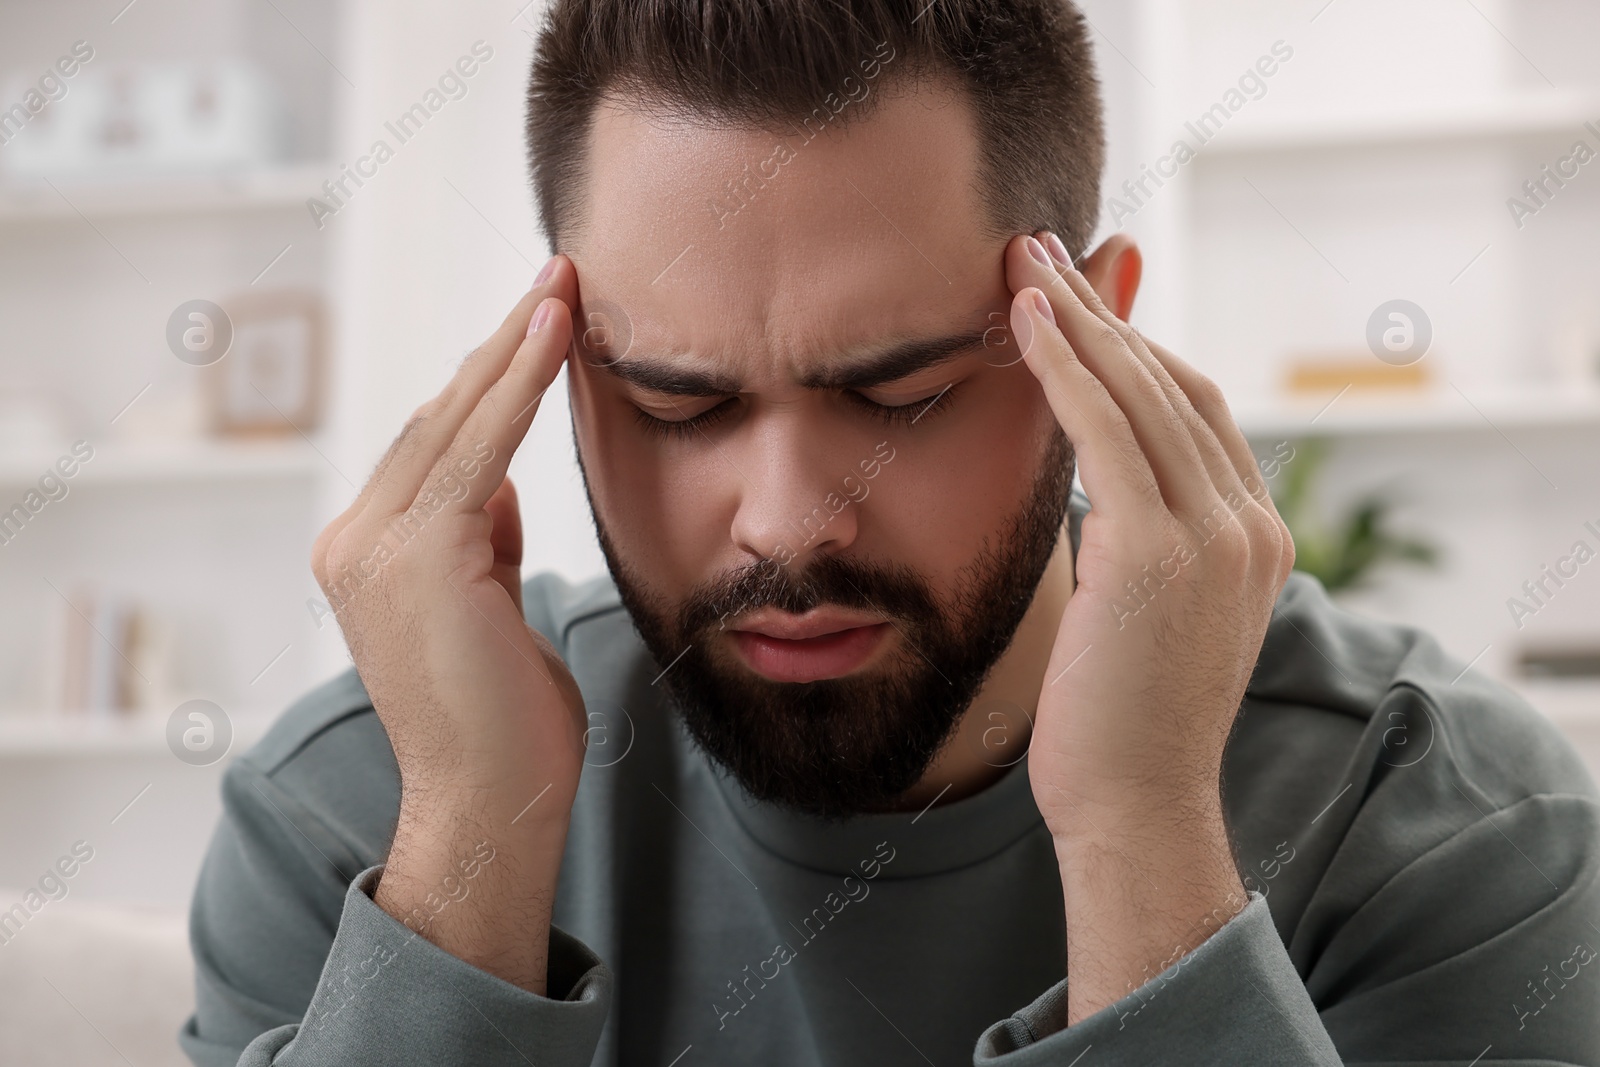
(107, 654)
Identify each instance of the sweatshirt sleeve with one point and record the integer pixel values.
(1482, 950)
(296, 965)
(1235, 999)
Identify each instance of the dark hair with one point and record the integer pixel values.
(1026, 66)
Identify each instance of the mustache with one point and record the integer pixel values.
(894, 590)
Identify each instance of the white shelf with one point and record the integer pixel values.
(1568, 702)
(280, 187)
(107, 733)
(1434, 411)
(145, 462)
(1528, 114)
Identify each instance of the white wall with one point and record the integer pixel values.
(440, 245)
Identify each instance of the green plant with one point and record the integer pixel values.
(1340, 554)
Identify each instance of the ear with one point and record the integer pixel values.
(1114, 270)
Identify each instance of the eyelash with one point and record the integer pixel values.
(678, 428)
(904, 414)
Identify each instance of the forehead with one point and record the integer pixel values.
(763, 252)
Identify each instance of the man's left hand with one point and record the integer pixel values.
(1179, 567)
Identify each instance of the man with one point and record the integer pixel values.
(873, 748)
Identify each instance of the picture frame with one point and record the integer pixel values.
(271, 380)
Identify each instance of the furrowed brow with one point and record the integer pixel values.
(898, 361)
(661, 377)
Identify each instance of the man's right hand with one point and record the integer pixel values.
(486, 722)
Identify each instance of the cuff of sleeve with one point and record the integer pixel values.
(1234, 999)
(387, 996)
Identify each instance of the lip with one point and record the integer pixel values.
(823, 643)
(818, 622)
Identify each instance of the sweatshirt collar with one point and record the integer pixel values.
(936, 839)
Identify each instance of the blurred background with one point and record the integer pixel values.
(1374, 222)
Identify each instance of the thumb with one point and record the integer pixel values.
(506, 540)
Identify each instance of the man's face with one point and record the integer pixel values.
(827, 561)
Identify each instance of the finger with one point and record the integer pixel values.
(482, 451)
(505, 538)
(431, 430)
(1210, 405)
(1212, 455)
(396, 480)
(1110, 463)
(1160, 433)
(1209, 402)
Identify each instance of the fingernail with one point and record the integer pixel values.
(545, 271)
(1046, 312)
(1022, 329)
(1036, 250)
(540, 317)
(1058, 250)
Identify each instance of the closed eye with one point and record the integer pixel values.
(907, 414)
(678, 428)
(903, 414)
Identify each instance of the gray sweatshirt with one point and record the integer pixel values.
(1420, 847)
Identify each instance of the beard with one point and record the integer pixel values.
(844, 746)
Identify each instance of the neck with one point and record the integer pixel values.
(994, 730)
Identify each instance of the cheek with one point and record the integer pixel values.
(664, 507)
(933, 506)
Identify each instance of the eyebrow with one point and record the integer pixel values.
(900, 360)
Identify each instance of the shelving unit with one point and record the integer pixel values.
(279, 188)
(196, 462)
(207, 535)
(1377, 164)
(1436, 411)
(56, 736)
(1567, 703)
(1574, 707)
(1515, 115)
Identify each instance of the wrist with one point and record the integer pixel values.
(1135, 807)
(1172, 848)
(461, 796)
(1141, 893)
(437, 841)
(481, 888)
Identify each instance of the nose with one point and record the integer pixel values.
(795, 501)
